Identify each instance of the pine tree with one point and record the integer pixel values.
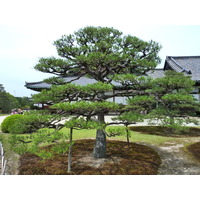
(172, 99)
(100, 53)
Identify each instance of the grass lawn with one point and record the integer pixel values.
(144, 134)
(136, 136)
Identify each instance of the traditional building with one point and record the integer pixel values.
(190, 65)
(39, 86)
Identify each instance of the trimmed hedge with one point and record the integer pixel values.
(9, 121)
(30, 123)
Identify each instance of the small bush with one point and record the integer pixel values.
(29, 123)
(9, 121)
(19, 127)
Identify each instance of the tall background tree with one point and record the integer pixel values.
(9, 102)
(174, 102)
(100, 53)
(2, 88)
(24, 102)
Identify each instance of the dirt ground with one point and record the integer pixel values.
(121, 160)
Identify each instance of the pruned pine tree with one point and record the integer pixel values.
(174, 102)
(165, 101)
(139, 103)
(81, 101)
(100, 53)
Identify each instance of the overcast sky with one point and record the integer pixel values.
(28, 29)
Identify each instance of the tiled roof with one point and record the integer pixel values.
(42, 85)
(156, 73)
(38, 86)
(81, 81)
(190, 65)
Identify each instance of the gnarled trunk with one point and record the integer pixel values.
(100, 144)
(70, 151)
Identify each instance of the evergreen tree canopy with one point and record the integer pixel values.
(174, 102)
(7, 102)
(2, 88)
(100, 52)
(103, 54)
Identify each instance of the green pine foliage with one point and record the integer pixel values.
(72, 92)
(101, 53)
(174, 101)
(7, 102)
(81, 123)
(87, 108)
(34, 143)
(133, 81)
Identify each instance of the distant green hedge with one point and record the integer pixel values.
(9, 121)
(27, 123)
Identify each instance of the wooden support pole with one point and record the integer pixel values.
(3, 161)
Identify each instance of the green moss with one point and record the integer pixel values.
(137, 159)
(165, 131)
(194, 149)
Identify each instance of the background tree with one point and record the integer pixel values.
(174, 102)
(165, 101)
(2, 88)
(24, 102)
(7, 102)
(100, 53)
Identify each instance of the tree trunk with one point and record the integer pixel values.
(100, 144)
(127, 136)
(70, 151)
(171, 130)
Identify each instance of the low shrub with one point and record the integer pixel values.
(9, 121)
(29, 123)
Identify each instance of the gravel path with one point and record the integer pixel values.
(176, 161)
(2, 118)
